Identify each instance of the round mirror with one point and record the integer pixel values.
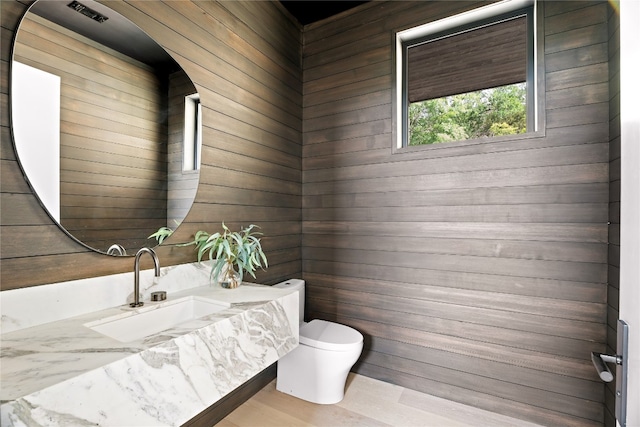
(106, 125)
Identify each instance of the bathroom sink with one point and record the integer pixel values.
(152, 319)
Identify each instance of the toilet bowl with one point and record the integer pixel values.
(316, 370)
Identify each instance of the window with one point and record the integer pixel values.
(192, 133)
(469, 76)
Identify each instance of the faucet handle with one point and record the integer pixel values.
(158, 296)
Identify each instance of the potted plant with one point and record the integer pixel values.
(233, 253)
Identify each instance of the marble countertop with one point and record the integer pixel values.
(63, 373)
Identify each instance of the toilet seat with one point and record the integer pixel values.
(329, 336)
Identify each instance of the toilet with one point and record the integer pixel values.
(316, 370)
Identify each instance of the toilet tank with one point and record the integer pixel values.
(297, 284)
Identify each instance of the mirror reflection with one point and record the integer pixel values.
(106, 125)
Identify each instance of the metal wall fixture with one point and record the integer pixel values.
(621, 361)
(88, 12)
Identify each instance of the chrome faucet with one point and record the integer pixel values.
(136, 272)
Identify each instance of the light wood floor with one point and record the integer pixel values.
(367, 402)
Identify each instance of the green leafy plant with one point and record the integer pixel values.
(161, 234)
(239, 250)
(485, 113)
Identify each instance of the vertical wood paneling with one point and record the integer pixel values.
(448, 260)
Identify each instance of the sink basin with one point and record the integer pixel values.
(152, 319)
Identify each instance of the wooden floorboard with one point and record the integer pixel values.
(367, 402)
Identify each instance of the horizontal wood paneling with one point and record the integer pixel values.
(559, 251)
(531, 286)
(552, 175)
(477, 272)
(552, 270)
(584, 154)
(507, 307)
(590, 213)
(472, 230)
(569, 193)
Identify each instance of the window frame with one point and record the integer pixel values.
(456, 24)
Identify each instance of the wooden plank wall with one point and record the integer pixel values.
(477, 273)
(244, 59)
(613, 290)
(113, 136)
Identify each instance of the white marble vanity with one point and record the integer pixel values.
(59, 372)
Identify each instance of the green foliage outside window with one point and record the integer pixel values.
(485, 113)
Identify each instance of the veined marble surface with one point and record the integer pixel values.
(64, 374)
(26, 307)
